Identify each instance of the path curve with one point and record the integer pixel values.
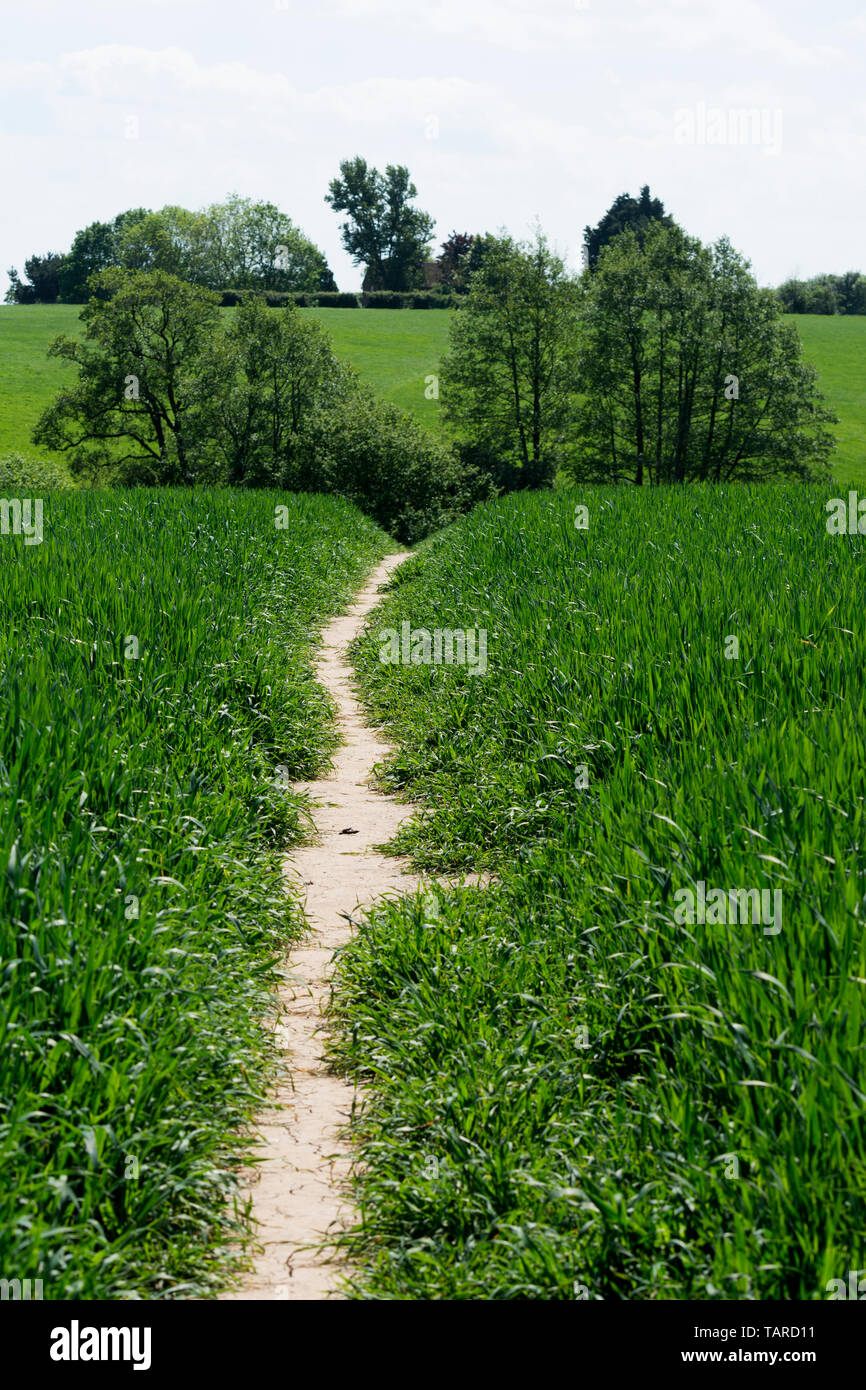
(298, 1191)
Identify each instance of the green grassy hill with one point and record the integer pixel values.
(396, 350)
(837, 347)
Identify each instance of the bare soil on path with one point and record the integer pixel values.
(298, 1188)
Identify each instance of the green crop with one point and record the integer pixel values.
(573, 1092)
(156, 700)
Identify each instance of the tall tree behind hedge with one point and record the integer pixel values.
(624, 213)
(382, 231)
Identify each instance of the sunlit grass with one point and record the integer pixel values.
(571, 1094)
(156, 698)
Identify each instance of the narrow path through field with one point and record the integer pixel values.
(297, 1192)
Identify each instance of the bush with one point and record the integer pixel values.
(31, 475)
(434, 299)
(408, 299)
(335, 300)
(302, 299)
(383, 299)
(343, 299)
(373, 454)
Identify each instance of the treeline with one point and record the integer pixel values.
(241, 245)
(664, 363)
(436, 298)
(238, 244)
(825, 294)
(172, 392)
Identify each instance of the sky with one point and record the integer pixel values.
(747, 118)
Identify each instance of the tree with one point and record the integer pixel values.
(688, 371)
(508, 379)
(131, 411)
(382, 232)
(94, 248)
(454, 261)
(237, 244)
(261, 382)
(173, 240)
(624, 212)
(43, 280)
(256, 246)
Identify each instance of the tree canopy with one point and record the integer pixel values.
(237, 244)
(382, 231)
(688, 371)
(625, 212)
(508, 380)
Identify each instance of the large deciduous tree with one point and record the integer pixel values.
(688, 371)
(261, 382)
(382, 232)
(94, 248)
(131, 412)
(508, 380)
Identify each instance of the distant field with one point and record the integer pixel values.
(395, 350)
(837, 346)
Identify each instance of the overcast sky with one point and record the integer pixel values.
(504, 110)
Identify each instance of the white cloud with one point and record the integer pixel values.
(522, 25)
(579, 110)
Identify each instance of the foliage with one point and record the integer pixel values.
(625, 213)
(382, 231)
(454, 261)
(239, 243)
(307, 299)
(508, 381)
(171, 392)
(569, 1093)
(688, 371)
(94, 248)
(825, 294)
(29, 476)
(42, 285)
(261, 379)
(128, 414)
(390, 466)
